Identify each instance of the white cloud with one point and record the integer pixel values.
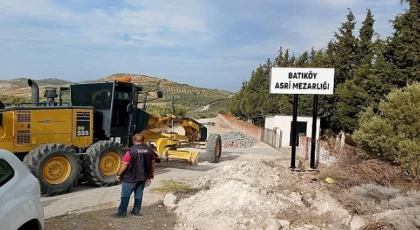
(316, 30)
(266, 48)
(148, 24)
(180, 16)
(339, 3)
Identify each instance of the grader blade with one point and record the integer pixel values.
(190, 156)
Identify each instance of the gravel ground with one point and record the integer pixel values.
(236, 139)
(91, 208)
(259, 194)
(154, 216)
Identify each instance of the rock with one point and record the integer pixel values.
(170, 199)
(171, 207)
(272, 224)
(285, 224)
(357, 223)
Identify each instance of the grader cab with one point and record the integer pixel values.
(63, 142)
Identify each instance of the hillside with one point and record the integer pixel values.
(194, 99)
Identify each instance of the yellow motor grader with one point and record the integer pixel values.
(61, 143)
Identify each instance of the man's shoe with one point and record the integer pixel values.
(118, 215)
(136, 213)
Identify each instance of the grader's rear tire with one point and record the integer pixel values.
(56, 166)
(214, 148)
(102, 162)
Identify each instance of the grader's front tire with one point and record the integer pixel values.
(102, 162)
(56, 166)
(214, 148)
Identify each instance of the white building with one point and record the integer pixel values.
(282, 125)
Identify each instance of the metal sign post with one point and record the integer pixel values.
(294, 131)
(315, 81)
(313, 136)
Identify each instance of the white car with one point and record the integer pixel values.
(20, 204)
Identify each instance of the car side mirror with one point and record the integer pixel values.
(139, 88)
(159, 93)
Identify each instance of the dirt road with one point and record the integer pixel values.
(90, 208)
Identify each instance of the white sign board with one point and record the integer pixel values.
(302, 80)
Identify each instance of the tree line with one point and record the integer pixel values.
(367, 69)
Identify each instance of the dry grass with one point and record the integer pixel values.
(300, 216)
(390, 205)
(350, 170)
(366, 198)
(172, 186)
(380, 225)
(364, 172)
(271, 163)
(374, 189)
(374, 192)
(403, 219)
(376, 171)
(409, 199)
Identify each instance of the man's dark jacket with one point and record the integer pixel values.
(138, 169)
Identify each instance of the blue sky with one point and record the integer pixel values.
(207, 43)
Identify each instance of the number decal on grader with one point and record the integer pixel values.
(84, 139)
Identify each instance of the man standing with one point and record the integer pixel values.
(138, 166)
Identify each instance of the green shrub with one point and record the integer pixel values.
(393, 133)
(13, 100)
(166, 109)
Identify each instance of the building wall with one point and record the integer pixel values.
(284, 124)
(246, 128)
(269, 122)
(322, 154)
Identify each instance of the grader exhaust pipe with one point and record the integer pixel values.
(34, 92)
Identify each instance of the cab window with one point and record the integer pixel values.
(6, 172)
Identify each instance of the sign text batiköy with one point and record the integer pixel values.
(302, 81)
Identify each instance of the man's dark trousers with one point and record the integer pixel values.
(126, 190)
